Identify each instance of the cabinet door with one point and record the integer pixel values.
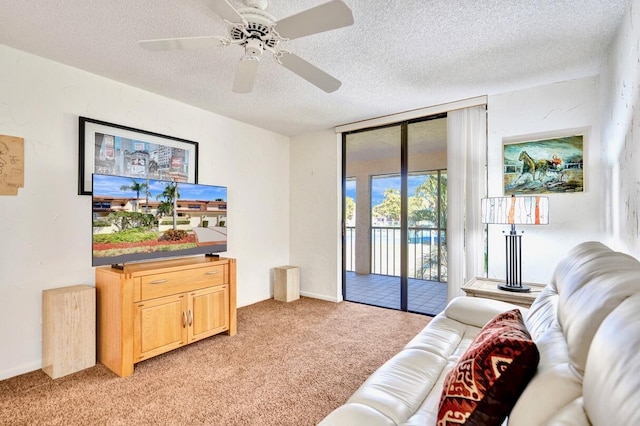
(160, 325)
(208, 312)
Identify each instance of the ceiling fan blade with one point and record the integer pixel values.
(181, 43)
(246, 74)
(327, 16)
(224, 9)
(309, 72)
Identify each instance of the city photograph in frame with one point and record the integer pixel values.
(113, 149)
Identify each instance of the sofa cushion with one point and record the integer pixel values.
(476, 311)
(486, 381)
(555, 385)
(406, 389)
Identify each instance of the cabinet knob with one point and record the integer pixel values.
(212, 273)
(184, 319)
(158, 281)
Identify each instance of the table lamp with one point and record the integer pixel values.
(522, 210)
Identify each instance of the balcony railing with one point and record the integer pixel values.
(427, 254)
(350, 248)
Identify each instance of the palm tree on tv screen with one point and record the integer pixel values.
(168, 206)
(136, 187)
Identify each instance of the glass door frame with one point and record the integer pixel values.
(404, 201)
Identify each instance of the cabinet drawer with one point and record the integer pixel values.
(159, 285)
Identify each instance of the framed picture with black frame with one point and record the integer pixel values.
(113, 149)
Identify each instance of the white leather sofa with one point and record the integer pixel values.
(586, 326)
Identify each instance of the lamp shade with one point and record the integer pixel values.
(525, 210)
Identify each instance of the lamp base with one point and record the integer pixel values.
(515, 288)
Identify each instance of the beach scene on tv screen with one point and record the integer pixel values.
(135, 219)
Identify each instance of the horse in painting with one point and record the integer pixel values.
(529, 165)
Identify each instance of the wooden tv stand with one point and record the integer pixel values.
(147, 309)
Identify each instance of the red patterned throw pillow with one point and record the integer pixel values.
(485, 383)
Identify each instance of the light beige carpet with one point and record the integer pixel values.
(289, 364)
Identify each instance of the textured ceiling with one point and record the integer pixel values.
(398, 56)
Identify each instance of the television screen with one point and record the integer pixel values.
(138, 219)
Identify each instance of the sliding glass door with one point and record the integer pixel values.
(427, 215)
(394, 204)
(372, 233)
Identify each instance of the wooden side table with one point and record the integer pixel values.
(488, 288)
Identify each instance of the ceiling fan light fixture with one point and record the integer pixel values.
(254, 47)
(249, 58)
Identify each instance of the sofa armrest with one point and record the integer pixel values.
(477, 311)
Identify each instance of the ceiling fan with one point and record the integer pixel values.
(257, 31)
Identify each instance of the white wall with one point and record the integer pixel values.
(46, 228)
(535, 113)
(621, 135)
(316, 172)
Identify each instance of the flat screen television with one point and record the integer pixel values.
(136, 219)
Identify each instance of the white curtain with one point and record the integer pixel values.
(466, 186)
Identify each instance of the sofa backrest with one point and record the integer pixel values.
(591, 284)
(611, 384)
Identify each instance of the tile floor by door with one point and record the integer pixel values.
(425, 297)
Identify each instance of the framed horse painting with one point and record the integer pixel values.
(544, 166)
